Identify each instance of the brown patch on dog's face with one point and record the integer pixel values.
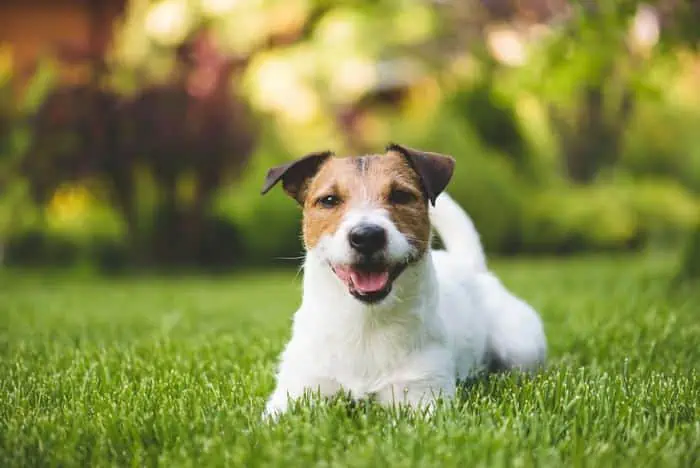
(366, 217)
(376, 181)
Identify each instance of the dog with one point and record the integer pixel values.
(383, 315)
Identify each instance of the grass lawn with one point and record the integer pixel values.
(175, 371)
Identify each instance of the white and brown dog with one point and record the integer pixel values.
(383, 315)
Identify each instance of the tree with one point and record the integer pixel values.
(690, 268)
(191, 126)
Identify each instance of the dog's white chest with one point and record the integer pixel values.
(361, 354)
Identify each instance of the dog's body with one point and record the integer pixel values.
(410, 329)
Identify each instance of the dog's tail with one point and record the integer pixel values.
(457, 232)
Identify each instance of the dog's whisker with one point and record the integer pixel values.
(299, 270)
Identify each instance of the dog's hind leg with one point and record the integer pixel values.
(516, 338)
(515, 334)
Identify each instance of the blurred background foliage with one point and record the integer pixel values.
(574, 124)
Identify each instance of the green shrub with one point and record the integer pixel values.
(218, 245)
(569, 219)
(109, 255)
(665, 210)
(614, 215)
(668, 149)
(270, 225)
(272, 233)
(37, 247)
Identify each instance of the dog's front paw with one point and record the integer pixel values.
(273, 410)
(270, 416)
(420, 399)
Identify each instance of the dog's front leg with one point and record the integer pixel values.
(421, 396)
(294, 387)
(423, 379)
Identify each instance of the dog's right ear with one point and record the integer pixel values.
(295, 175)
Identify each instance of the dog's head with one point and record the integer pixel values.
(366, 216)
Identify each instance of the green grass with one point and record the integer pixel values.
(147, 371)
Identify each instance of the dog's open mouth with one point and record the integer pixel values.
(368, 283)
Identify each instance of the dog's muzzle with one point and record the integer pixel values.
(369, 276)
(369, 283)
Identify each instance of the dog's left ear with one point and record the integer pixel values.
(295, 175)
(434, 170)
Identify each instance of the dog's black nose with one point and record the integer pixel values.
(367, 238)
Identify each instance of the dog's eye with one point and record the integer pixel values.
(329, 201)
(401, 197)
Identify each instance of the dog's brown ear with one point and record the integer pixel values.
(295, 175)
(434, 169)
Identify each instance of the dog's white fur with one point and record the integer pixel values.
(446, 319)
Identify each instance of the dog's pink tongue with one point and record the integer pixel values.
(369, 282)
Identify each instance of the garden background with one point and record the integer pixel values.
(136, 134)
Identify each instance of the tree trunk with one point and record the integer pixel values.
(691, 262)
(593, 140)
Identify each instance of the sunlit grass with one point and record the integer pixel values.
(145, 371)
